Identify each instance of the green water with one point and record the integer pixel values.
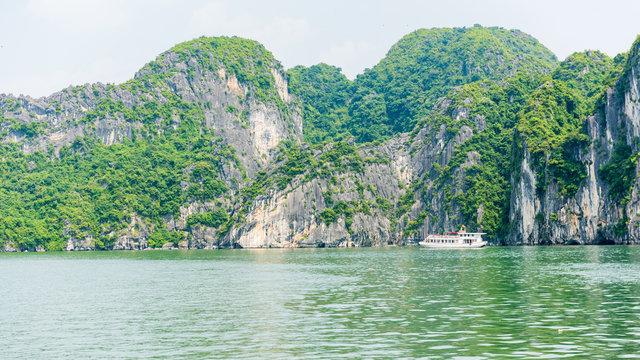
(498, 302)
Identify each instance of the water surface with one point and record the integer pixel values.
(498, 302)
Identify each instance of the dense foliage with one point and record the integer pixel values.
(619, 172)
(485, 184)
(424, 65)
(541, 114)
(93, 189)
(247, 60)
(549, 126)
(403, 87)
(324, 93)
(502, 84)
(545, 112)
(585, 72)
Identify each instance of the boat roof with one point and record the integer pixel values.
(457, 233)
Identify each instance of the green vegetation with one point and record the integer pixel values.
(625, 63)
(93, 189)
(585, 72)
(162, 236)
(31, 129)
(337, 159)
(405, 85)
(296, 160)
(424, 65)
(485, 183)
(213, 219)
(564, 168)
(619, 172)
(501, 88)
(246, 59)
(550, 125)
(90, 190)
(551, 112)
(341, 208)
(324, 92)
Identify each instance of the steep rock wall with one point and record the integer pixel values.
(591, 216)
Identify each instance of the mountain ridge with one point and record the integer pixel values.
(204, 148)
(421, 67)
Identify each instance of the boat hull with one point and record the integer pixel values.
(474, 245)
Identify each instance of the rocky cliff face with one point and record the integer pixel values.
(593, 215)
(250, 120)
(590, 216)
(254, 128)
(390, 185)
(282, 192)
(389, 197)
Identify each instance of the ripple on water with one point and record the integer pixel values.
(551, 302)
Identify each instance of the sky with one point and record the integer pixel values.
(47, 45)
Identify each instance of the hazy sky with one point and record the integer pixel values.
(46, 45)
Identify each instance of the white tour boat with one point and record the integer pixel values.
(455, 240)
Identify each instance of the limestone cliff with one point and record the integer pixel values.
(387, 198)
(471, 159)
(594, 215)
(248, 109)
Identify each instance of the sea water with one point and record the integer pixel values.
(497, 302)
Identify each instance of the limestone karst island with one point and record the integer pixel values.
(214, 144)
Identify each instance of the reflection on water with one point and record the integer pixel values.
(498, 302)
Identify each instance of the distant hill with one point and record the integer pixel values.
(422, 67)
(214, 145)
